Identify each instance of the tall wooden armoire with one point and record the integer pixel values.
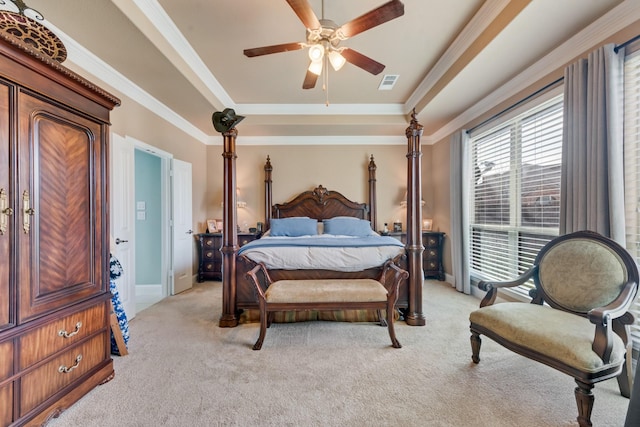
(54, 237)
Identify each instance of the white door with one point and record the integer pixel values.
(182, 227)
(122, 217)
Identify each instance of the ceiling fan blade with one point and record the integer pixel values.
(276, 48)
(310, 80)
(362, 61)
(305, 13)
(373, 18)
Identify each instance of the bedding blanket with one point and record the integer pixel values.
(325, 252)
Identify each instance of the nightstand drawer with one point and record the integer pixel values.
(431, 253)
(210, 243)
(61, 333)
(38, 385)
(210, 254)
(431, 242)
(211, 267)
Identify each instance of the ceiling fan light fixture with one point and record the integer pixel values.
(316, 67)
(316, 52)
(337, 60)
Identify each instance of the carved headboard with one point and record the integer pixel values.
(320, 204)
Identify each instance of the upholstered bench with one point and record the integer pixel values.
(327, 294)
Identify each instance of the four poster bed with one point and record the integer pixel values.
(319, 234)
(321, 224)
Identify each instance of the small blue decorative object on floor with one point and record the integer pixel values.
(116, 271)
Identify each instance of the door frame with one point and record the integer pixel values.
(165, 214)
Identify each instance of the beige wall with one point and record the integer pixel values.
(304, 167)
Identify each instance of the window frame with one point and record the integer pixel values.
(514, 260)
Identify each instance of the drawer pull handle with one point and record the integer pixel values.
(27, 212)
(64, 370)
(66, 334)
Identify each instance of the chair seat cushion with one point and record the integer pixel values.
(553, 333)
(326, 290)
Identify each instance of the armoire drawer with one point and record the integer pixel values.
(6, 404)
(43, 382)
(6, 360)
(60, 333)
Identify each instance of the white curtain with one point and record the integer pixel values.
(459, 182)
(592, 183)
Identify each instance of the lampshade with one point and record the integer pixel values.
(403, 203)
(239, 202)
(316, 52)
(337, 60)
(316, 67)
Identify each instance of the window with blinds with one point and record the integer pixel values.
(632, 168)
(515, 193)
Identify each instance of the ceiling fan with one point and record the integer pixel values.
(324, 37)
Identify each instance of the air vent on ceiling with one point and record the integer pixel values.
(388, 81)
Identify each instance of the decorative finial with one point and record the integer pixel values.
(225, 120)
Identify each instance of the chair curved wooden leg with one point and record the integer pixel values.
(584, 399)
(625, 379)
(476, 342)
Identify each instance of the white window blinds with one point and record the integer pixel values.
(515, 193)
(632, 167)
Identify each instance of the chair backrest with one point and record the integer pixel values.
(583, 270)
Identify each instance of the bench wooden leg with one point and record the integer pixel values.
(392, 333)
(383, 322)
(264, 321)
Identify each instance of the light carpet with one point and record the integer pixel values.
(183, 370)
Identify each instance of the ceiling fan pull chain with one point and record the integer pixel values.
(326, 80)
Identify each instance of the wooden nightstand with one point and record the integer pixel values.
(432, 256)
(210, 258)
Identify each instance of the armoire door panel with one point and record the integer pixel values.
(6, 209)
(60, 242)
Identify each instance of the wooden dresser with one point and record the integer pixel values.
(54, 238)
(432, 256)
(210, 258)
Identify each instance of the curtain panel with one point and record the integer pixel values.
(459, 179)
(592, 181)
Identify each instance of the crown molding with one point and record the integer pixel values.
(618, 18)
(487, 13)
(320, 140)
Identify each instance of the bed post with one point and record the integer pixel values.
(414, 316)
(268, 194)
(229, 319)
(372, 194)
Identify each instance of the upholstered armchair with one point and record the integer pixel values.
(578, 320)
